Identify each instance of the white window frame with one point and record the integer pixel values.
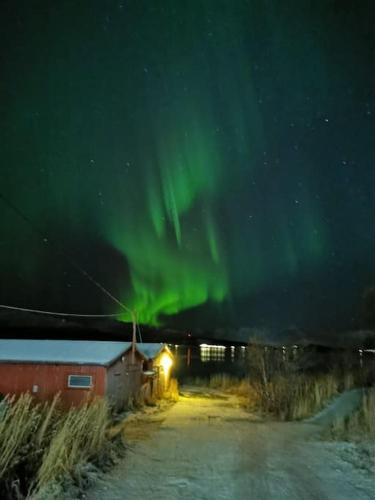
(79, 386)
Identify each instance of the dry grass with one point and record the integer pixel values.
(146, 396)
(285, 397)
(226, 383)
(19, 422)
(172, 392)
(25, 429)
(150, 395)
(361, 424)
(357, 434)
(219, 381)
(21, 434)
(223, 382)
(79, 436)
(41, 445)
(293, 397)
(279, 387)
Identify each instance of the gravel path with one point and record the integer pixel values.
(206, 447)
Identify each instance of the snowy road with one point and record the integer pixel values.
(207, 448)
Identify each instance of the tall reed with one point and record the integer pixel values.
(40, 444)
(80, 436)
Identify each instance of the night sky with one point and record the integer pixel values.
(210, 162)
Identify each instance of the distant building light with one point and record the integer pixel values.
(211, 346)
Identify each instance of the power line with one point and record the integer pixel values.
(53, 313)
(72, 262)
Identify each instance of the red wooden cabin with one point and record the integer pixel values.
(77, 369)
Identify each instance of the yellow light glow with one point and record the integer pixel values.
(166, 362)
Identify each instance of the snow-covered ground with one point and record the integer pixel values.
(206, 447)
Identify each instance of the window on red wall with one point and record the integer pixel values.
(80, 381)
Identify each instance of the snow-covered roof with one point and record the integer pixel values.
(151, 349)
(82, 352)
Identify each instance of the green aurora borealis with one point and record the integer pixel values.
(211, 162)
(174, 262)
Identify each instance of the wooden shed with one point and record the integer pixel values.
(159, 361)
(77, 369)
